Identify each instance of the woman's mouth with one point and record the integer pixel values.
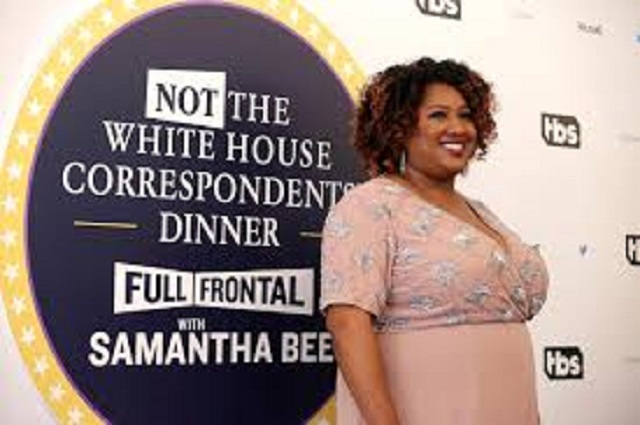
(453, 147)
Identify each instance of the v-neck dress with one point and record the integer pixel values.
(449, 304)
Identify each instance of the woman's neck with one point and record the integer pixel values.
(434, 186)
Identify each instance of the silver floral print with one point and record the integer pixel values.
(464, 239)
(444, 272)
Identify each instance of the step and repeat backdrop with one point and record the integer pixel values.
(167, 167)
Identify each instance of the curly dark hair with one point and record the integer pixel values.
(387, 113)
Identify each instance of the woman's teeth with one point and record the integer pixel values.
(453, 146)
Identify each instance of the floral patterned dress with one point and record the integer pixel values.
(449, 304)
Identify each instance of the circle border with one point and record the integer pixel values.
(80, 39)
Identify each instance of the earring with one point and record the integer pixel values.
(402, 163)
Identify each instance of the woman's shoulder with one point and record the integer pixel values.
(372, 201)
(373, 191)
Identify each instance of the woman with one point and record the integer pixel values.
(425, 291)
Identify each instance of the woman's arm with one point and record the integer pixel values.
(359, 359)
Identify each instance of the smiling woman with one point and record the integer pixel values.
(445, 137)
(425, 291)
(391, 109)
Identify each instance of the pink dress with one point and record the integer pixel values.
(449, 305)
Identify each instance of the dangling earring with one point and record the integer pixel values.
(402, 163)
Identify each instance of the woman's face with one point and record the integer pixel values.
(445, 138)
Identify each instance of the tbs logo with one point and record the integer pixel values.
(563, 363)
(633, 249)
(561, 130)
(443, 8)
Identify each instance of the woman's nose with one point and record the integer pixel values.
(456, 125)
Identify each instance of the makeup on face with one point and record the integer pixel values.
(445, 137)
(452, 125)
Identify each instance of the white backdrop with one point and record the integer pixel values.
(565, 57)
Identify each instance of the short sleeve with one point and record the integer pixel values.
(356, 251)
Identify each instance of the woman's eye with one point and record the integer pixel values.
(438, 114)
(466, 115)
